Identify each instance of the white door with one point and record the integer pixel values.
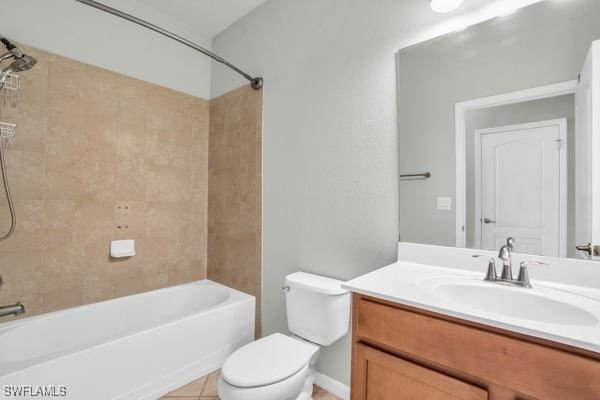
(520, 187)
(587, 148)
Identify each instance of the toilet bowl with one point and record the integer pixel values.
(280, 367)
(275, 367)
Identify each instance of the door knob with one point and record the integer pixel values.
(488, 221)
(589, 249)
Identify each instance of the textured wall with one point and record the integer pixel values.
(330, 152)
(100, 156)
(234, 206)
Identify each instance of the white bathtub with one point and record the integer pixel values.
(135, 347)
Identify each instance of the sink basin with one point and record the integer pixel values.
(563, 313)
(526, 304)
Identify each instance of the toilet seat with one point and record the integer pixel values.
(269, 360)
(288, 389)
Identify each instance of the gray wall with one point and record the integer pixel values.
(82, 33)
(531, 111)
(538, 45)
(330, 188)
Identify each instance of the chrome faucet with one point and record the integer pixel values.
(505, 254)
(15, 309)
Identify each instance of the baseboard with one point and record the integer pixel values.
(332, 386)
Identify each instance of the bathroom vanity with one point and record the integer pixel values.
(498, 158)
(429, 332)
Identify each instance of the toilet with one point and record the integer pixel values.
(280, 367)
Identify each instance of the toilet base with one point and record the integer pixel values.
(299, 387)
(307, 390)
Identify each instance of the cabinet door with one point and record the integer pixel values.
(380, 376)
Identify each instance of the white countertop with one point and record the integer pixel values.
(414, 284)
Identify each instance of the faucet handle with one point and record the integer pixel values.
(523, 277)
(526, 263)
(491, 271)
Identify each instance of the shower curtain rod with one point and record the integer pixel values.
(256, 83)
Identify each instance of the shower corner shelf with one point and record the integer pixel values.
(7, 132)
(11, 90)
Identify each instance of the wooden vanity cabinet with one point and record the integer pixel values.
(403, 353)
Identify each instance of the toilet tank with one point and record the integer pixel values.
(318, 309)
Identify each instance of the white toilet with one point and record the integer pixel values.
(279, 367)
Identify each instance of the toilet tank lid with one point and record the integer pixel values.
(315, 283)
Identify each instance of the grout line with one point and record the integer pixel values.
(204, 384)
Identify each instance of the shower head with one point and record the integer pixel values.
(24, 63)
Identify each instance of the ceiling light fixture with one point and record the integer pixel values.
(443, 6)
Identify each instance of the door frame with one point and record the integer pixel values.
(595, 151)
(561, 123)
(460, 111)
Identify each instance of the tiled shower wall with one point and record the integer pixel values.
(100, 156)
(234, 206)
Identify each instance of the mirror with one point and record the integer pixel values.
(500, 136)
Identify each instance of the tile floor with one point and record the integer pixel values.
(205, 388)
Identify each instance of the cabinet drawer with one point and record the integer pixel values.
(385, 377)
(528, 368)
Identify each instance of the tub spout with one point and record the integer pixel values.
(15, 309)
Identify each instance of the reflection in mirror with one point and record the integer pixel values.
(506, 122)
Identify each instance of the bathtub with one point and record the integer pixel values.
(135, 347)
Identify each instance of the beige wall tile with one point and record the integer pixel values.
(234, 195)
(156, 281)
(26, 174)
(66, 106)
(66, 259)
(130, 221)
(130, 179)
(95, 290)
(98, 179)
(61, 219)
(97, 222)
(90, 141)
(61, 299)
(29, 229)
(101, 131)
(167, 183)
(30, 118)
(126, 287)
(64, 177)
(22, 273)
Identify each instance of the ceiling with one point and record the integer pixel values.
(209, 17)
